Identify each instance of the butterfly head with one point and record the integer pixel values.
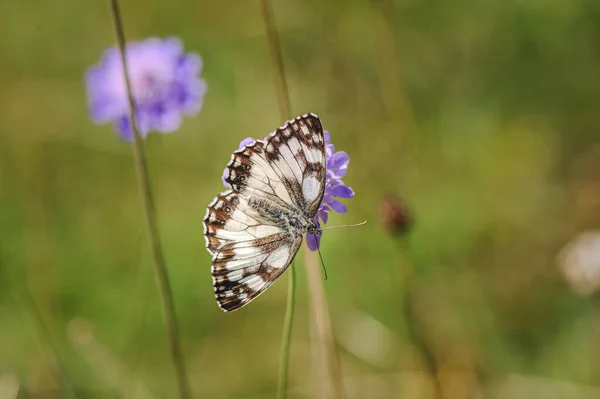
(314, 228)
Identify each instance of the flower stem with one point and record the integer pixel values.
(25, 301)
(417, 336)
(284, 360)
(325, 356)
(283, 99)
(283, 96)
(160, 269)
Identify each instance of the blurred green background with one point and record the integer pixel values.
(481, 115)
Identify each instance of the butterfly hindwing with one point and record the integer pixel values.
(241, 271)
(230, 218)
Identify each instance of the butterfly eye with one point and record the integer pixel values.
(247, 168)
(227, 209)
(242, 178)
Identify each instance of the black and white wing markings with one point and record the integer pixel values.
(255, 230)
(249, 251)
(297, 151)
(230, 218)
(249, 173)
(242, 271)
(288, 167)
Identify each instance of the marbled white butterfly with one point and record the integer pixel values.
(254, 230)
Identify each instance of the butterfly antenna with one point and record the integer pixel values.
(322, 263)
(345, 225)
(335, 227)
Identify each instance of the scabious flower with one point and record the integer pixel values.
(164, 80)
(337, 166)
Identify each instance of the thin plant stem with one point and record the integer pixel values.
(284, 360)
(324, 333)
(391, 85)
(160, 269)
(393, 95)
(283, 99)
(324, 349)
(24, 299)
(29, 290)
(417, 338)
(283, 96)
(405, 269)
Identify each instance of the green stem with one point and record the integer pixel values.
(283, 99)
(325, 353)
(283, 96)
(417, 338)
(160, 269)
(42, 333)
(416, 335)
(284, 360)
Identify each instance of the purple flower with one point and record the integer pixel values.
(165, 84)
(337, 166)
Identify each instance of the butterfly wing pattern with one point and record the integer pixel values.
(254, 230)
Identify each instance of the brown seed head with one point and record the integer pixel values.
(395, 214)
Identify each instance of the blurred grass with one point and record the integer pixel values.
(477, 113)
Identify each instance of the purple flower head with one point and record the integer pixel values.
(164, 80)
(337, 166)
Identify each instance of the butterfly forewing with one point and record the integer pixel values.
(297, 152)
(249, 172)
(289, 165)
(255, 230)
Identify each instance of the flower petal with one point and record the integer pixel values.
(313, 241)
(322, 214)
(172, 47)
(189, 65)
(104, 109)
(245, 142)
(223, 177)
(342, 191)
(168, 122)
(339, 160)
(338, 206)
(191, 96)
(329, 150)
(338, 173)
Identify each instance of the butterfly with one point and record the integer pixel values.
(254, 230)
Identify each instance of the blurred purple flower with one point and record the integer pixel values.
(165, 84)
(337, 166)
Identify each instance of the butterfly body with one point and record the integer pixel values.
(254, 230)
(287, 219)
